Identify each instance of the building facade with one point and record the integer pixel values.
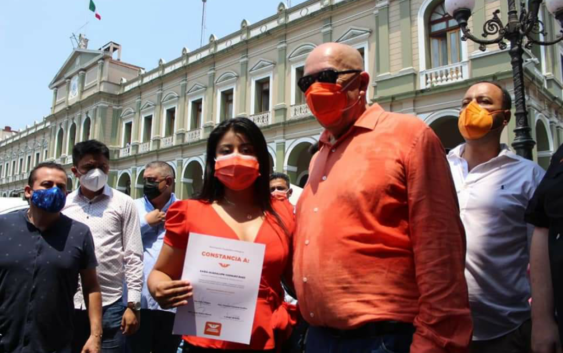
(412, 50)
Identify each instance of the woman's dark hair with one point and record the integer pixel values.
(213, 189)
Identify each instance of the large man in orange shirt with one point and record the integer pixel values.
(379, 246)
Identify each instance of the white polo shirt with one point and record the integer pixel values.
(493, 198)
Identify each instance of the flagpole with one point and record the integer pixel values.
(202, 23)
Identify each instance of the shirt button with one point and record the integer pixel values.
(557, 237)
(312, 314)
(307, 242)
(316, 209)
(305, 279)
(324, 177)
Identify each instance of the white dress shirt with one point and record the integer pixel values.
(114, 222)
(493, 198)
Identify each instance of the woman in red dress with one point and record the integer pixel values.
(234, 203)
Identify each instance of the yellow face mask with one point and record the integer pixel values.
(475, 121)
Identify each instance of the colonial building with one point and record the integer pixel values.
(411, 48)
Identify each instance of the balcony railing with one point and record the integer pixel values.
(144, 147)
(444, 75)
(125, 152)
(299, 111)
(69, 160)
(167, 141)
(194, 135)
(261, 119)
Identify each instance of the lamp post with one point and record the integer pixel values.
(519, 28)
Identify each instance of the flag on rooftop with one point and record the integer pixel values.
(93, 9)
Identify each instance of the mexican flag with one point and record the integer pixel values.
(93, 9)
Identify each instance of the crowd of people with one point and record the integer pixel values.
(393, 246)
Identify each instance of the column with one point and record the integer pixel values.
(383, 39)
(100, 73)
(135, 193)
(156, 122)
(327, 30)
(112, 178)
(136, 138)
(406, 33)
(280, 108)
(55, 92)
(93, 123)
(79, 120)
(81, 75)
(64, 150)
(178, 187)
(181, 117)
(554, 134)
(209, 104)
(243, 86)
(102, 110)
(280, 155)
(115, 126)
(67, 82)
(52, 143)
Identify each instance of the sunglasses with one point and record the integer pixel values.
(325, 76)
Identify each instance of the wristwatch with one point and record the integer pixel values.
(135, 306)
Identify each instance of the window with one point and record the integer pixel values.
(226, 109)
(262, 99)
(5, 172)
(45, 154)
(1, 171)
(561, 60)
(59, 149)
(127, 132)
(71, 138)
(86, 129)
(13, 170)
(147, 128)
(196, 112)
(28, 164)
(37, 156)
(445, 40)
(170, 122)
(20, 166)
(299, 96)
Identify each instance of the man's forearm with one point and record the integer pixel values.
(94, 306)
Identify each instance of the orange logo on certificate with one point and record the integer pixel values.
(212, 329)
(224, 265)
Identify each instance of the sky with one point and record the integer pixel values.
(35, 40)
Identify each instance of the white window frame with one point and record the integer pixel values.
(36, 161)
(220, 89)
(13, 167)
(148, 112)
(169, 105)
(26, 164)
(81, 136)
(191, 98)
(68, 137)
(123, 123)
(294, 87)
(20, 165)
(57, 141)
(6, 169)
(270, 76)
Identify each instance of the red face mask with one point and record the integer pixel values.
(328, 101)
(236, 171)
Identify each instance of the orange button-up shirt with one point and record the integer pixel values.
(379, 235)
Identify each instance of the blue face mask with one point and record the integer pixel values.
(51, 200)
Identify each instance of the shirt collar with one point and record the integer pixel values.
(107, 192)
(505, 152)
(150, 207)
(368, 120)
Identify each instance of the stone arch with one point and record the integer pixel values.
(301, 52)
(444, 124)
(272, 157)
(297, 160)
(71, 138)
(124, 183)
(86, 127)
(192, 177)
(59, 145)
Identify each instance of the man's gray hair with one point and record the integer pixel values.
(165, 169)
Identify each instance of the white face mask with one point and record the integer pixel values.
(94, 180)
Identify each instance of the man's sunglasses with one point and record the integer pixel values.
(326, 76)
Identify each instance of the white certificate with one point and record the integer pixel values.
(225, 275)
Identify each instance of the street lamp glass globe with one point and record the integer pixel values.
(453, 5)
(554, 6)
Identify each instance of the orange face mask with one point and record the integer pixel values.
(236, 171)
(327, 101)
(280, 194)
(475, 121)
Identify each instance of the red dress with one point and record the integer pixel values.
(273, 316)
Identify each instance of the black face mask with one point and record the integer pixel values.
(151, 190)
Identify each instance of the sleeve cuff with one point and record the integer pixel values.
(133, 296)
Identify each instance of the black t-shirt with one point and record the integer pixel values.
(38, 280)
(546, 210)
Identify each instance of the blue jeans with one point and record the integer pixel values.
(112, 337)
(322, 340)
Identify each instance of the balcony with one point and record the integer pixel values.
(144, 147)
(444, 75)
(194, 135)
(167, 142)
(262, 119)
(125, 152)
(299, 111)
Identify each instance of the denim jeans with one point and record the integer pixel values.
(112, 337)
(321, 340)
